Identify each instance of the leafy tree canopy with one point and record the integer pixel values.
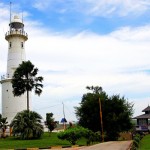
(50, 123)
(116, 111)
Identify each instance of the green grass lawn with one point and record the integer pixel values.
(45, 142)
(145, 143)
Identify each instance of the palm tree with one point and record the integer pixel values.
(24, 80)
(27, 125)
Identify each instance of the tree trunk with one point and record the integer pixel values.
(3, 130)
(27, 92)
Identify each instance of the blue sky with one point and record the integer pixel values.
(76, 43)
(97, 16)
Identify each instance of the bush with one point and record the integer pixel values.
(74, 134)
(92, 137)
(136, 141)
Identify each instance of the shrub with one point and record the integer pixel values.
(74, 134)
(92, 137)
(71, 134)
(136, 141)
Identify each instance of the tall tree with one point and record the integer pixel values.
(116, 112)
(27, 125)
(25, 80)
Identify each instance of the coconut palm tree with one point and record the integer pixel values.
(27, 125)
(25, 79)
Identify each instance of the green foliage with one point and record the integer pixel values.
(75, 133)
(43, 143)
(137, 138)
(3, 125)
(25, 79)
(72, 134)
(69, 135)
(136, 142)
(27, 125)
(50, 123)
(116, 112)
(92, 137)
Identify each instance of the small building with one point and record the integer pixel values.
(143, 120)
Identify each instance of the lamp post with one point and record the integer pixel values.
(63, 120)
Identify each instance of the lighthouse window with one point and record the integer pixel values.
(9, 44)
(21, 44)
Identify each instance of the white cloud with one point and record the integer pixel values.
(140, 104)
(138, 34)
(115, 63)
(96, 7)
(57, 5)
(3, 11)
(42, 5)
(71, 62)
(115, 7)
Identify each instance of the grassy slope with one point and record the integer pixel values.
(145, 143)
(45, 142)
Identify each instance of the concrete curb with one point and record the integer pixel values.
(73, 147)
(130, 146)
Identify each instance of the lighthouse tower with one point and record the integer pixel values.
(16, 38)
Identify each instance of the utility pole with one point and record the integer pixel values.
(101, 120)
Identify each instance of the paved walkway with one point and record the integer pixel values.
(116, 145)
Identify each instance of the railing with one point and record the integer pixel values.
(3, 77)
(19, 32)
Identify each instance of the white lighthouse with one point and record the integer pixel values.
(16, 38)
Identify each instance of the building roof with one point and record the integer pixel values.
(146, 109)
(144, 116)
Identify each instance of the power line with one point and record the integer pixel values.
(48, 107)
